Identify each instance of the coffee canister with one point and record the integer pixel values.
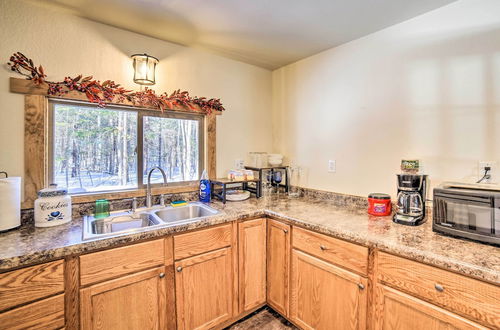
(379, 204)
(53, 207)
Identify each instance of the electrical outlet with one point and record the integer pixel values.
(332, 166)
(239, 164)
(491, 173)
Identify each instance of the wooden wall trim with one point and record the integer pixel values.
(35, 147)
(211, 129)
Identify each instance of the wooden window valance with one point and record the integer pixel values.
(36, 134)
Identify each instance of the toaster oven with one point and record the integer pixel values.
(467, 211)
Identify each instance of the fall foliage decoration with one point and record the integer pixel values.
(109, 91)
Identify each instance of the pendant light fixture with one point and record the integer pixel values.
(144, 69)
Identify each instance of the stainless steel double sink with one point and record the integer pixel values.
(125, 221)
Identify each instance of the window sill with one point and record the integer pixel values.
(92, 197)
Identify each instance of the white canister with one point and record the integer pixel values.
(53, 207)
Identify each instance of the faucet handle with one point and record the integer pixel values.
(162, 200)
(134, 204)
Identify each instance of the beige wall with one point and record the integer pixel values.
(68, 45)
(428, 88)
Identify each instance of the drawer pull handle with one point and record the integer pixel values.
(285, 231)
(162, 275)
(361, 286)
(323, 248)
(439, 287)
(179, 269)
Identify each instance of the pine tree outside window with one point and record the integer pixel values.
(94, 149)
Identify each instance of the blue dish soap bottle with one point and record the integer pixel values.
(205, 188)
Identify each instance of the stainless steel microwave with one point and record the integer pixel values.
(467, 211)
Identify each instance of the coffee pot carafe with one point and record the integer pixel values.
(410, 207)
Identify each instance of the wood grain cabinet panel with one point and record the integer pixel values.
(204, 289)
(396, 311)
(31, 283)
(252, 263)
(134, 301)
(108, 264)
(45, 314)
(347, 255)
(324, 296)
(474, 299)
(197, 242)
(278, 265)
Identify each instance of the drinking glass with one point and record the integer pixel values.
(277, 177)
(294, 173)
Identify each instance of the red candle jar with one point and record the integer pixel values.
(379, 204)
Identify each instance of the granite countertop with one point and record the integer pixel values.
(29, 245)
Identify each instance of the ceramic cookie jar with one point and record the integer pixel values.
(53, 207)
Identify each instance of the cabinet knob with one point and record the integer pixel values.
(322, 247)
(439, 287)
(285, 231)
(179, 269)
(162, 275)
(361, 286)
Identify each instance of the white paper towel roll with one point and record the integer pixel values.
(10, 203)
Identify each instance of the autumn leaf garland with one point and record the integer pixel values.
(109, 91)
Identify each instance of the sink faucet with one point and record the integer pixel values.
(149, 203)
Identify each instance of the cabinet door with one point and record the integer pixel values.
(252, 263)
(204, 289)
(324, 296)
(135, 301)
(278, 265)
(396, 310)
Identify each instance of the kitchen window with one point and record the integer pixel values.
(95, 149)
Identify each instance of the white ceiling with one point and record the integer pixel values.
(266, 33)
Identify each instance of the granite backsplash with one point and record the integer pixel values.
(81, 209)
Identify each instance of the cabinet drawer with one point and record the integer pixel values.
(43, 314)
(100, 266)
(468, 297)
(31, 283)
(347, 255)
(191, 244)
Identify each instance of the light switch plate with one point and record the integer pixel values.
(332, 166)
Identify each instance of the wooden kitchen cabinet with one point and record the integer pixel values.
(113, 263)
(45, 314)
(461, 295)
(324, 296)
(395, 310)
(252, 263)
(33, 297)
(28, 284)
(278, 265)
(136, 301)
(204, 289)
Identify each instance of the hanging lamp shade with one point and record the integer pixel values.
(144, 69)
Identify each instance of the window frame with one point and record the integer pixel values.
(141, 113)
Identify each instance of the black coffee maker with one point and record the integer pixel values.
(410, 207)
